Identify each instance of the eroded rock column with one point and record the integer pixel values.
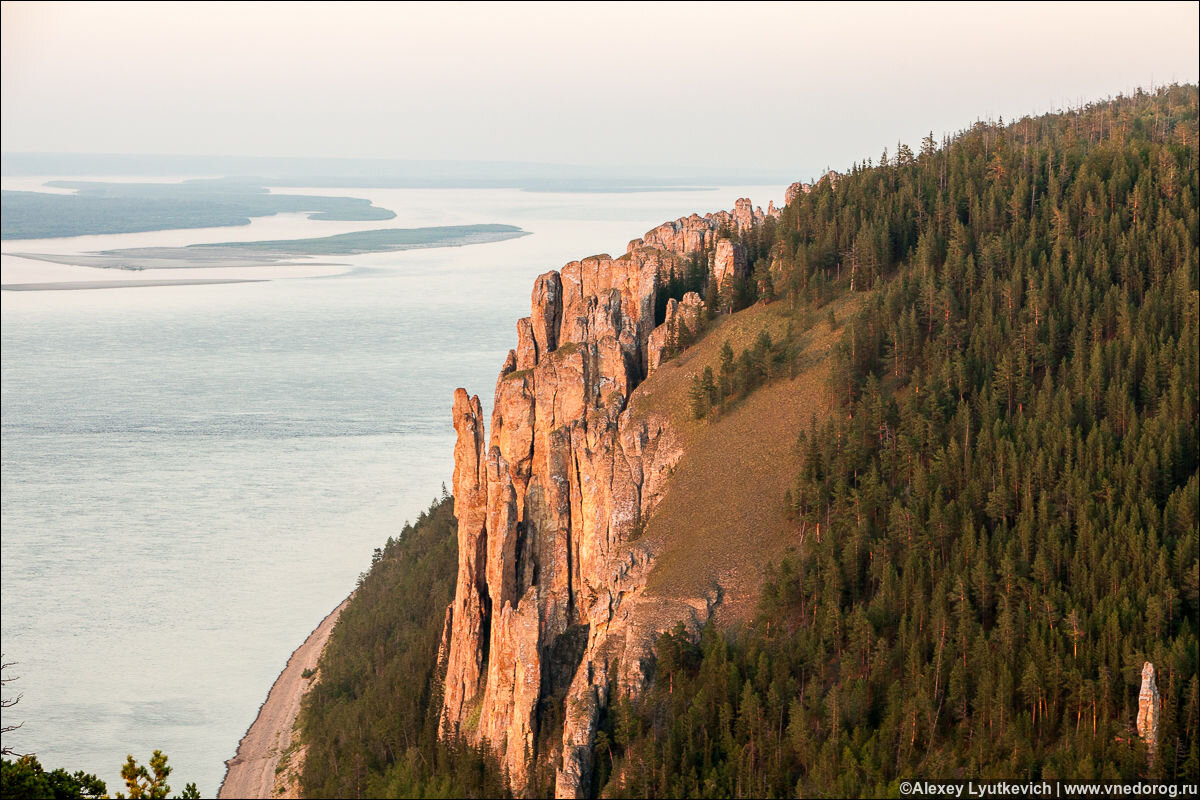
(466, 633)
(1147, 718)
(549, 583)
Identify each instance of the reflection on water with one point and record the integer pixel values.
(194, 476)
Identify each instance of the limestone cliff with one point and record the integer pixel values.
(549, 597)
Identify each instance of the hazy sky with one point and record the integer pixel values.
(726, 84)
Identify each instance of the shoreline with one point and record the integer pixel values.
(85, 285)
(251, 773)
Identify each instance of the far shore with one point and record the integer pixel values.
(76, 285)
(252, 772)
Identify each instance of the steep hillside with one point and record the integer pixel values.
(946, 404)
(723, 519)
(1000, 573)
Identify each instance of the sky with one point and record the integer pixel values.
(727, 85)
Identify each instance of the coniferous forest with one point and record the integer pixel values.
(994, 529)
(1000, 524)
(370, 719)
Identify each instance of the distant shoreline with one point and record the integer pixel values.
(99, 208)
(78, 285)
(251, 773)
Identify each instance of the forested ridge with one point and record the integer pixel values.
(999, 525)
(994, 529)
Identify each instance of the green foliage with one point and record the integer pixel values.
(25, 779)
(371, 722)
(693, 279)
(757, 365)
(141, 783)
(702, 394)
(1000, 524)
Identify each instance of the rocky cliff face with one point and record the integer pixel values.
(548, 598)
(729, 261)
(688, 235)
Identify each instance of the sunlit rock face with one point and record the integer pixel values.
(689, 235)
(1147, 718)
(549, 591)
(729, 261)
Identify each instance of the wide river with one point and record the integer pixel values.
(193, 476)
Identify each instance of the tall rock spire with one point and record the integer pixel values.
(1147, 718)
(470, 611)
(548, 573)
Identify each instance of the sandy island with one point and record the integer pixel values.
(251, 773)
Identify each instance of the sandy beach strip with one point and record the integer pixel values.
(251, 772)
(77, 285)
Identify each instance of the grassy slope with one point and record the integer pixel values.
(722, 518)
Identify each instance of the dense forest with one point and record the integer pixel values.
(999, 525)
(994, 529)
(370, 720)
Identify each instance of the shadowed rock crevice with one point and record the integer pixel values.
(564, 658)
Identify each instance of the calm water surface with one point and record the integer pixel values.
(194, 476)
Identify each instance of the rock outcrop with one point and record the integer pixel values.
(470, 609)
(548, 600)
(688, 235)
(729, 261)
(745, 215)
(796, 189)
(681, 323)
(1147, 718)
(833, 176)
